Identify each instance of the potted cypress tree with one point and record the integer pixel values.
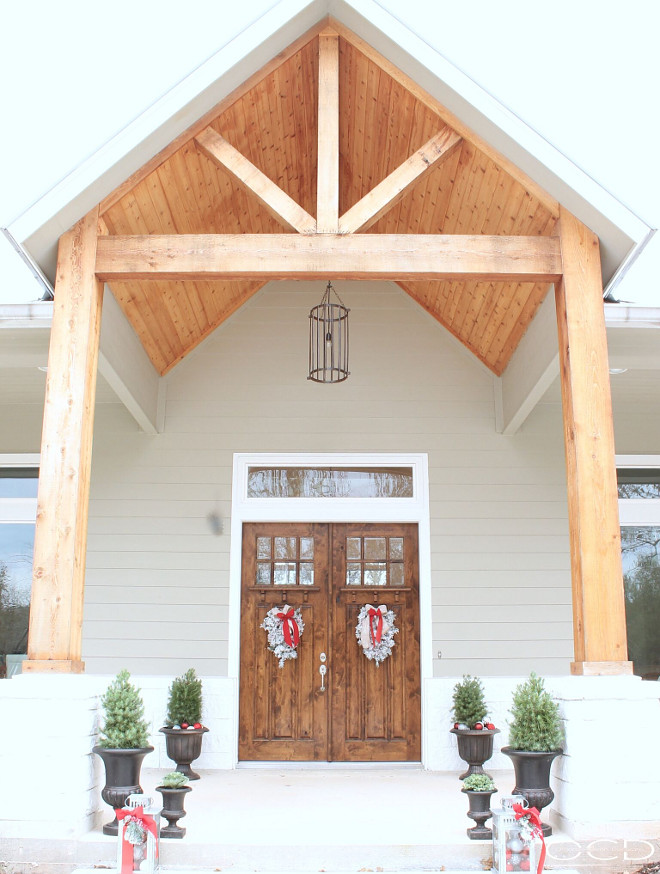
(479, 788)
(123, 744)
(473, 734)
(173, 788)
(184, 730)
(535, 739)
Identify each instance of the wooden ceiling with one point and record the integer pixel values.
(384, 118)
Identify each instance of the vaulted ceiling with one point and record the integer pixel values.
(384, 119)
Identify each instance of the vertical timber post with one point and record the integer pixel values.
(599, 620)
(60, 539)
(327, 185)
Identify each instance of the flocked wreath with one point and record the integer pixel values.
(284, 626)
(375, 632)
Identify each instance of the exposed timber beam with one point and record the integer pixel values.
(599, 619)
(126, 367)
(343, 256)
(278, 203)
(394, 187)
(327, 182)
(60, 538)
(531, 371)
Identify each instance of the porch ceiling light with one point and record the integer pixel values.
(328, 339)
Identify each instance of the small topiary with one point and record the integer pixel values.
(479, 783)
(469, 703)
(174, 780)
(185, 700)
(125, 727)
(536, 725)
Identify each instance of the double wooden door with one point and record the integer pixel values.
(358, 711)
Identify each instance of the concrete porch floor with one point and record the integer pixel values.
(288, 819)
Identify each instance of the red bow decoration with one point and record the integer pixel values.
(377, 635)
(138, 814)
(534, 817)
(289, 626)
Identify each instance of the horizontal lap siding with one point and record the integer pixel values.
(157, 578)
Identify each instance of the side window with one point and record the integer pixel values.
(18, 505)
(639, 513)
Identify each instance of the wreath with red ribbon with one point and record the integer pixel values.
(284, 626)
(375, 632)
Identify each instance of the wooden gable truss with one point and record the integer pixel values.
(229, 206)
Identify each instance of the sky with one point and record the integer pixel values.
(585, 77)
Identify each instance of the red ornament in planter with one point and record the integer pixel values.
(490, 726)
(478, 726)
(197, 725)
(184, 725)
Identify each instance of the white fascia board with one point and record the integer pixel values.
(26, 315)
(617, 226)
(39, 227)
(126, 367)
(618, 316)
(533, 368)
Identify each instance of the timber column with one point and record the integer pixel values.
(60, 537)
(599, 618)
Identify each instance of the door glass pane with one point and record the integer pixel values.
(641, 576)
(306, 573)
(375, 574)
(16, 542)
(330, 482)
(263, 573)
(353, 574)
(396, 574)
(284, 573)
(375, 548)
(307, 547)
(285, 547)
(396, 548)
(353, 547)
(263, 547)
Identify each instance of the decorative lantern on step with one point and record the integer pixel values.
(517, 837)
(139, 827)
(328, 340)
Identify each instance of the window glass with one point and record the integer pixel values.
(639, 483)
(18, 482)
(330, 482)
(641, 577)
(16, 542)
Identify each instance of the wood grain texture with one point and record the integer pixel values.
(327, 185)
(599, 618)
(364, 256)
(60, 541)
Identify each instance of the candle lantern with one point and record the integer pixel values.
(138, 833)
(516, 844)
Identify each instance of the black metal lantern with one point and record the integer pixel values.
(328, 340)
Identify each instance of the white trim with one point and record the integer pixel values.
(18, 510)
(415, 509)
(637, 461)
(22, 459)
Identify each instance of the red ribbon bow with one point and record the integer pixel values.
(375, 637)
(534, 817)
(289, 625)
(135, 813)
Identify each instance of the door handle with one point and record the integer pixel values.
(323, 670)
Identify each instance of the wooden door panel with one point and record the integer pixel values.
(283, 713)
(369, 712)
(376, 709)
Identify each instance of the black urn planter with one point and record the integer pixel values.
(122, 778)
(184, 745)
(533, 778)
(479, 811)
(173, 798)
(475, 746)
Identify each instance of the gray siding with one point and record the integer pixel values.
(157, 581)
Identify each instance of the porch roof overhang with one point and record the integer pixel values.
(219, 157)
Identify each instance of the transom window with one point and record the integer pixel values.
(330, 482)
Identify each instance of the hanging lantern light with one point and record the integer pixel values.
(328, 340)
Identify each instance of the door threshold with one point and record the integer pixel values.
(327, 766)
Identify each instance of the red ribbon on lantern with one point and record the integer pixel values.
(375, 637)
(534, 816)
(289, 625)
(138, 814)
